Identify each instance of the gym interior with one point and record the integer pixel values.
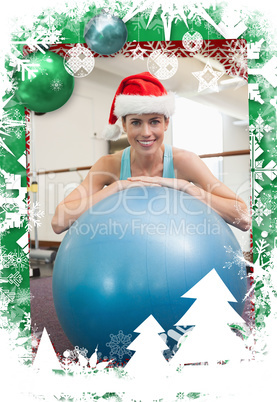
(65, 143)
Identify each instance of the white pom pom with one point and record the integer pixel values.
(112, 132)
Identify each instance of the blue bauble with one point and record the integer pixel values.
(136, 253)
(105, 34)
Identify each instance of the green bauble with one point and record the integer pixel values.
(51, 87)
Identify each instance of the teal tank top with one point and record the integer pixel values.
(168, 169)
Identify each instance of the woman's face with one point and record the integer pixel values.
(145, 131)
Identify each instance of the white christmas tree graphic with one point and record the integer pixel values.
(211, 340)
(148, 361)
(46, 359)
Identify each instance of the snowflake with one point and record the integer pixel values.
(237, 260)
(263, 280)
(9, 121)
(8, 260)
(34, 215)
(14, 194)
(259, 128)
(260, 211)
(269, 48)
(236, 58)
(56, 85)
(74, 354)
(6, 297)
(17, 259)
(266, 87)
(18, 133)
(137, 53)
(48, 19)
(27, 321)
(15, 279)
(10, 127)
(114, 7)
(262, 82)
(3, 250)
(83, 351)
(211, 29)
(118, 345)
(243, 215)
(258, 25)
(23, 297)
(38, 36)
(34, 59)
(28, 67)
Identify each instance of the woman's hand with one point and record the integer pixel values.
(136, 182)
(156, 181)
(217, 196)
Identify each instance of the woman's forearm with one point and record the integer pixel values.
(231, 208)
(68, 212)
(233, 211)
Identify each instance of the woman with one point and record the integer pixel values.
(145, 108)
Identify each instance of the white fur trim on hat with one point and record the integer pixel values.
(137, 104)
(112, 132)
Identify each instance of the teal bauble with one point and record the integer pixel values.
(105, 34)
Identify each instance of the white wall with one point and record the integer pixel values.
(237, 168)
(65, 138)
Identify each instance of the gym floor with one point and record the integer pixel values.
(43, 314)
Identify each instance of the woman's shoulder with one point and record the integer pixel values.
(185, 162)
(182, 155)
(108, 164)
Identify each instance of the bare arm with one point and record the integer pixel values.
(194, 177)
(99, 183)
(88, 193)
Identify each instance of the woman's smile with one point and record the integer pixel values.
(146, 143)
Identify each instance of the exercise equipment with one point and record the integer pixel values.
(48, 256)
(136, 253)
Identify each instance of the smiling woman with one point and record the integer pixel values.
(145, 107)
(146, 134)
(147, 125)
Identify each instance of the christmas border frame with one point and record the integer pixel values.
(15, 310)
(221, 50)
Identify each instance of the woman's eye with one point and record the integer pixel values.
(135, 123)
(155, 122)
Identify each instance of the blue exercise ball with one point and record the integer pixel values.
(136, 253)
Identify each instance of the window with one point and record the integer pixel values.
(198, 128)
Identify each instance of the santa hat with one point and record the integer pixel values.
(138, 94)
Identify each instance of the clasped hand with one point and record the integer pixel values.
(154, 181)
